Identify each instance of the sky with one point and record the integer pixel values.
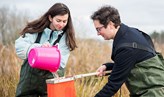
(146, 15)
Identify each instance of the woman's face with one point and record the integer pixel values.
(58, 22)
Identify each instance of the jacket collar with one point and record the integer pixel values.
(120, 33)
(48, 31)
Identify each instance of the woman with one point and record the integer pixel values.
(44, 32)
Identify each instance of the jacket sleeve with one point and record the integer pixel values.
(24, 44)
(109, 66)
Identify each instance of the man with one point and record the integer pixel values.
(135, 60)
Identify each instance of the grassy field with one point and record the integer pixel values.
(89, 55)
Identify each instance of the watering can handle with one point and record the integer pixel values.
(89, 74)
(57, 45)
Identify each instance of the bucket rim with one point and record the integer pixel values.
(59, 80)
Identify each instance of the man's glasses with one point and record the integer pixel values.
(99, 28)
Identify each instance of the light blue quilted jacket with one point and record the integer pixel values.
(24, 45)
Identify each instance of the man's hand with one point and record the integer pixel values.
(101, 70)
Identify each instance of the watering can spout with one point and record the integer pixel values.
(55, 75)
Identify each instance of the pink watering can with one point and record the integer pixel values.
(46, 58)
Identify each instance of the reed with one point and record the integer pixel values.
(9, 70)
(89, 55)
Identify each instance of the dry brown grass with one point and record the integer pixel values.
(89, 55)
(159, 47)
(9, 71)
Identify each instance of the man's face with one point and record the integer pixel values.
(107, 33)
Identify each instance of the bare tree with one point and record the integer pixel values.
(3, 19)
(11, 22)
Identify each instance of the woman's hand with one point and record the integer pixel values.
(101, 70)
(46, 44)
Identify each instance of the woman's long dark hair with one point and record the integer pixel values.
(40, 24)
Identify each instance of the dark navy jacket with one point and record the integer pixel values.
(125, 58)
